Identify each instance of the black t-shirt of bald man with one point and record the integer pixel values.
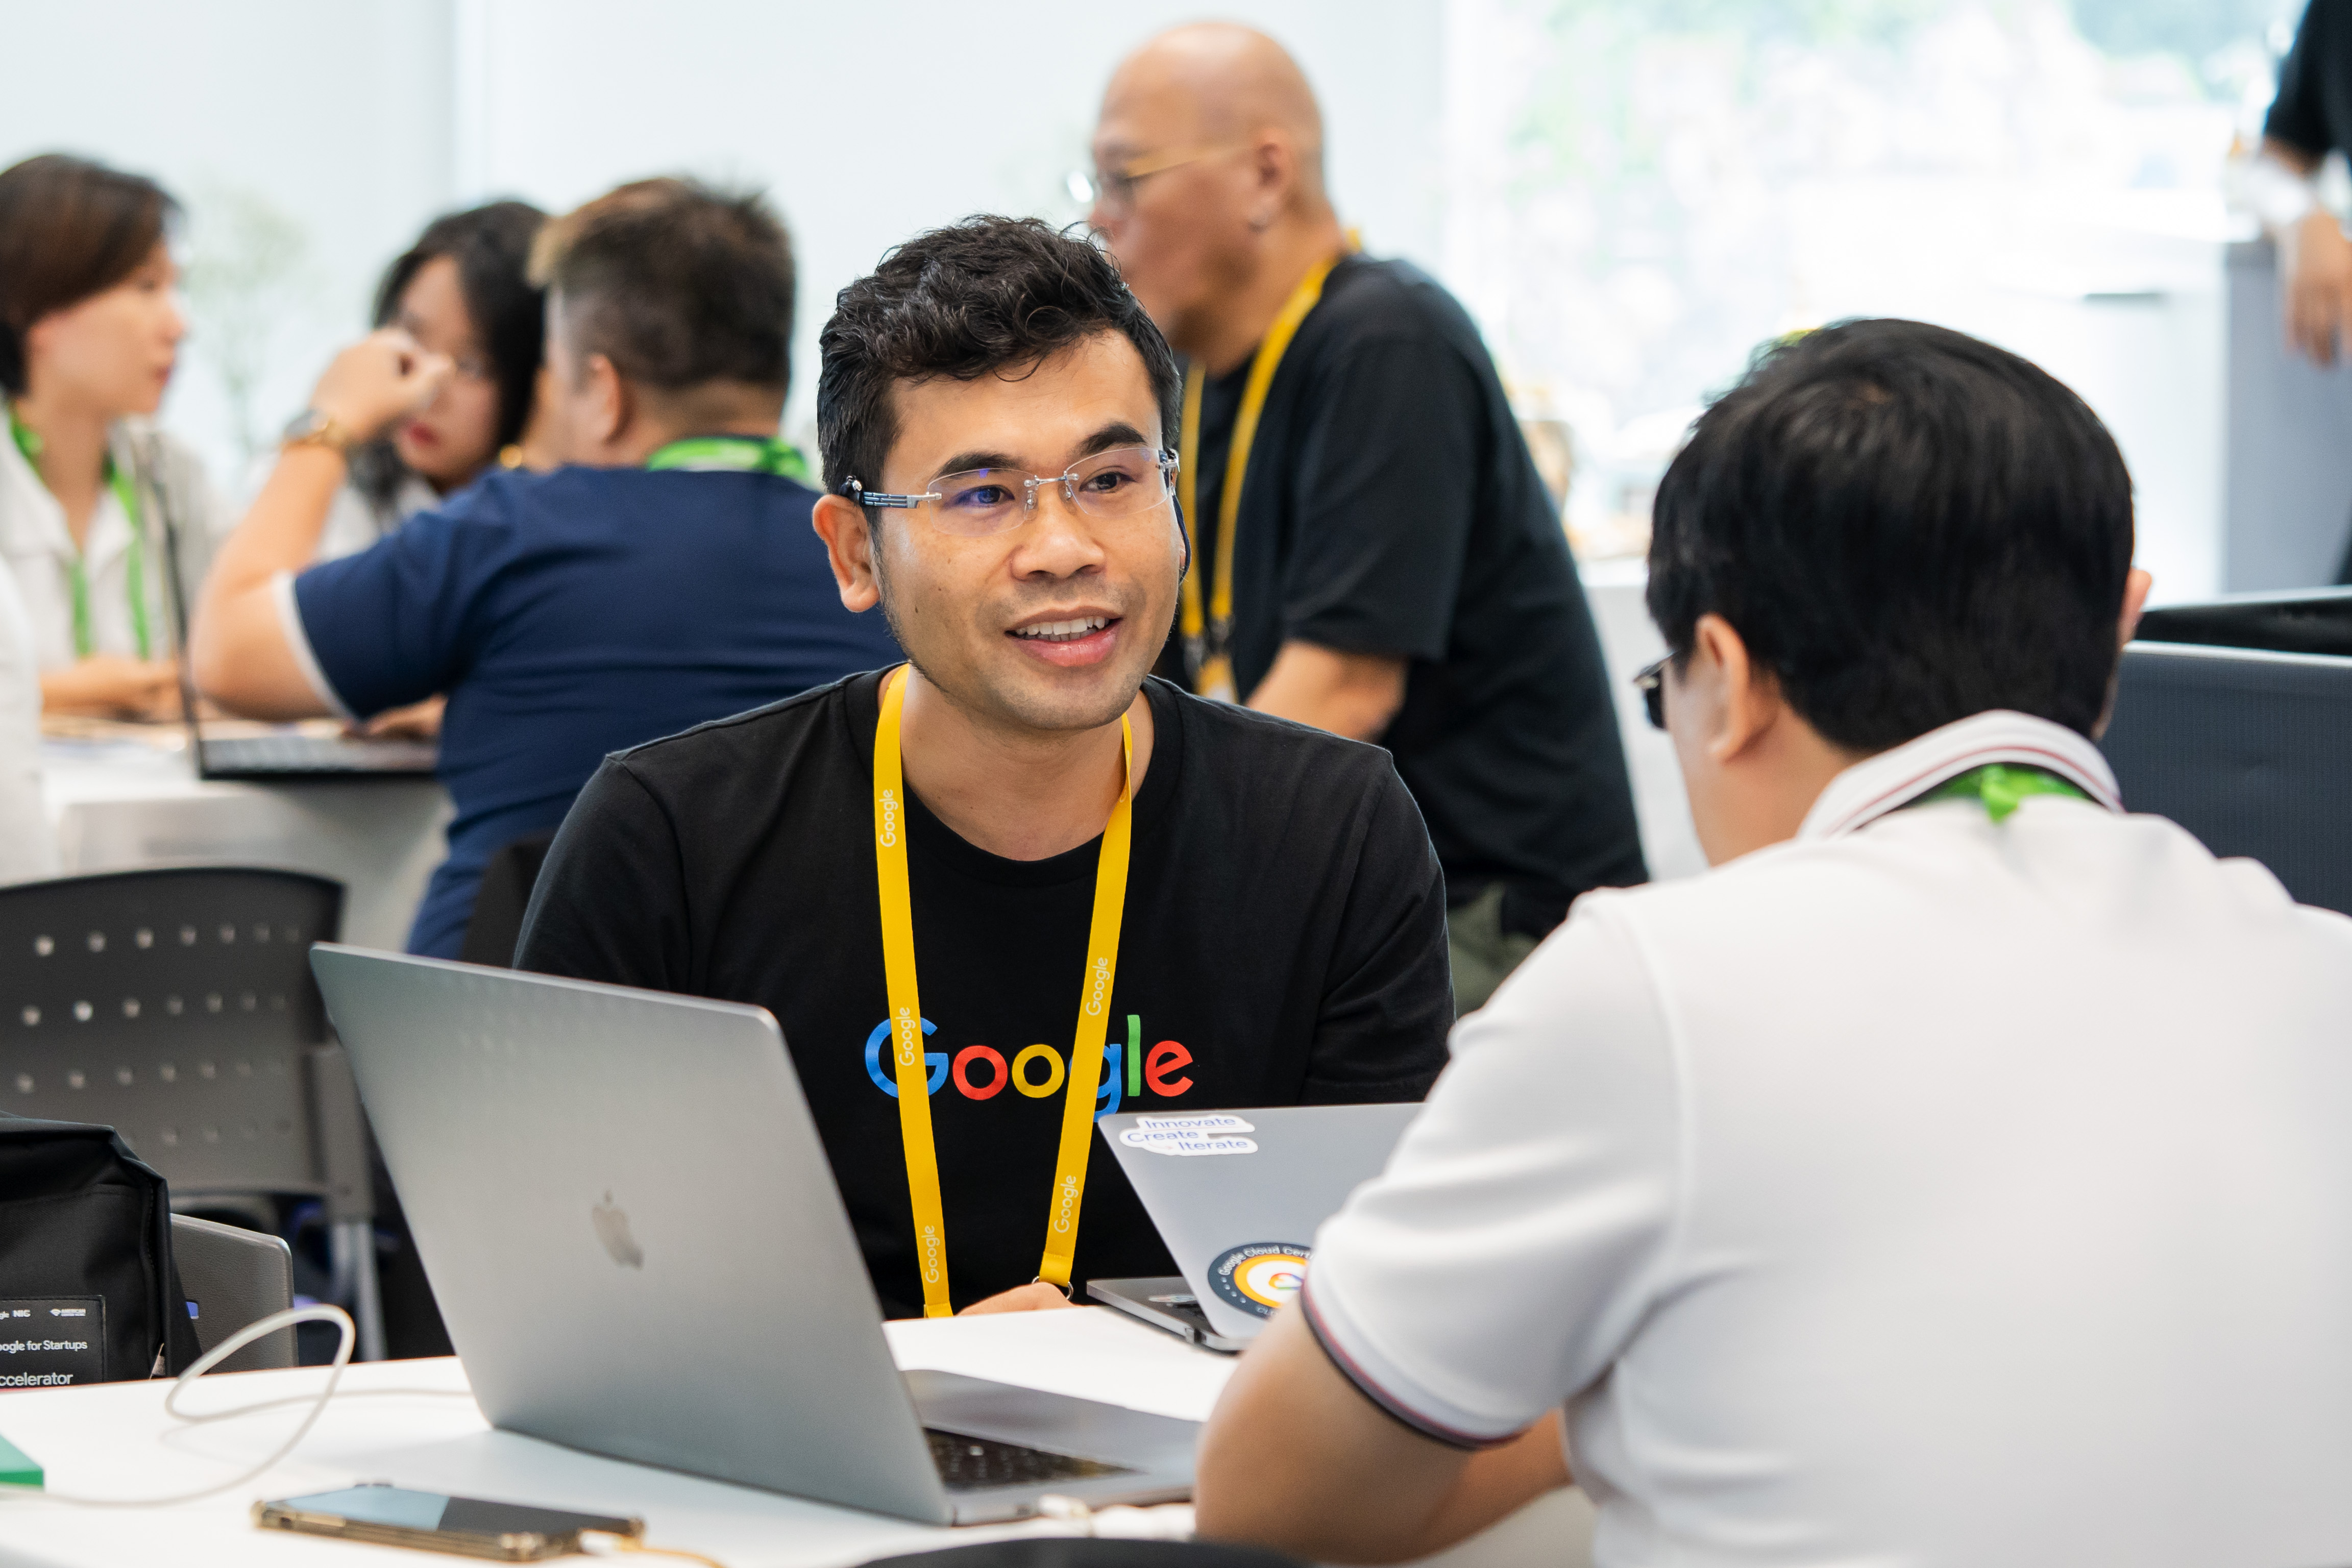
(1391, 507)
(2313, 110)
(1283, 943)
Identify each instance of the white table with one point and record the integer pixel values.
(114, 1439)
(129, 806)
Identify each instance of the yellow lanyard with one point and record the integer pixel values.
(907, 1013)
(1208, 639)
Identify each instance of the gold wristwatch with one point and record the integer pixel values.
(312, 428)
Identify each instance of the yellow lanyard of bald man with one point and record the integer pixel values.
(1208, 638)
(907, 1013)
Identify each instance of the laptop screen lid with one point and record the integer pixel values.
(592, 1174)
(175, 589)
(1238, 1194)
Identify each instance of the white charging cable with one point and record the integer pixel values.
(213, 1358)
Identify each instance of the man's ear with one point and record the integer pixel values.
(1747, 696)
(610, 406)
(1274, 168)
(2136, 587)
(849, 544)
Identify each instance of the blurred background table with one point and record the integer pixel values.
(123, 798)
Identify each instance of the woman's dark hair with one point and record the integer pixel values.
(491, 246)
(987, 294)
(1906, 527)
(70, 229)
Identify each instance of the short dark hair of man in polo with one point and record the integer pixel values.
(663, 576)
(1874, 632)
(996, 413)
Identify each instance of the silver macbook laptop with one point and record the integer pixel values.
(1237, 1197)
(624, 1209)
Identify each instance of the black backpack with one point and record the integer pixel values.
(89, 1292)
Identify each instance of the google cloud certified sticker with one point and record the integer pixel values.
(1259, 1277)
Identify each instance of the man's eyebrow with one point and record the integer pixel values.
(964, 462)
(1117, 434)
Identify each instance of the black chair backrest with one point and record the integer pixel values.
(502, 901)
(2251, 751)
(176, 1007)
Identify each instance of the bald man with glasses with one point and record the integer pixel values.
(1376, 555)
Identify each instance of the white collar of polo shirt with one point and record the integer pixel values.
(1893, 779)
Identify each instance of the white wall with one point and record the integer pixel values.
(360, 120)
(339, 116)
(869, 123)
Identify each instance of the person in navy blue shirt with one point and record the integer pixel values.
(666, 576)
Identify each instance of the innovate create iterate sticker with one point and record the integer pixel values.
(1207, 1133)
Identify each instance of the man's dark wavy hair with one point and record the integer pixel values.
(984, 296)
(1906, 527)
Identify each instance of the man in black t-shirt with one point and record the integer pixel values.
(1398, 572)
(2310, 118)
(994, 407)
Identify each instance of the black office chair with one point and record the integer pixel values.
(502, 899)
(177, 1007)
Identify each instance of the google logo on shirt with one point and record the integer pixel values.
(980, 1072)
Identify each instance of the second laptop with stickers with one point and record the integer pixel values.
(1238, 1197)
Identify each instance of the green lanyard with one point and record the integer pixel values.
(76, 574)
(752, 454)
(2002, 786)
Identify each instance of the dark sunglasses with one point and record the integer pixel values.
(1652, 684)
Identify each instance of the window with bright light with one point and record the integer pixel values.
(1642, 192)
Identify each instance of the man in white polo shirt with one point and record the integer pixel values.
(1958, 1173)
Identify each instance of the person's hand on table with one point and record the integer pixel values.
(1034, 1296)
(2317, 264)
(418, 721)
(383, 377)
(114, 685)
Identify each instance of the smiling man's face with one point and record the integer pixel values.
(1052, 624)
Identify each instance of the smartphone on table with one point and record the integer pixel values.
(471, 1526)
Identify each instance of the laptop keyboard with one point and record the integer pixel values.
(969, 1463)
(314, 754)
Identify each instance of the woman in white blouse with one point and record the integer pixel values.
(90, 335)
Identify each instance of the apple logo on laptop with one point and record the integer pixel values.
(611, 1223)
